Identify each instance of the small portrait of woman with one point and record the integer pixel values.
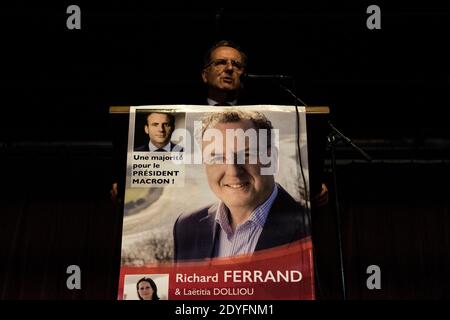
(146, 289)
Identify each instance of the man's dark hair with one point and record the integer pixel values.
(171, 117)
(224, 43)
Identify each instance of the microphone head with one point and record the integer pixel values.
(267, 77)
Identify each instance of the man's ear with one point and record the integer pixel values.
(146, 129)
(205, 80)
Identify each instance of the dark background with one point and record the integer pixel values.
(387, 89)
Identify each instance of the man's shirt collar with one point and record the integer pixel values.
(152, 147)
(212, 102)
(258, 216)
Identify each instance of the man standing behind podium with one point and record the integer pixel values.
(159, 127)
(224, 68)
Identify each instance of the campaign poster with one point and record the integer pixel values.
(216, 204)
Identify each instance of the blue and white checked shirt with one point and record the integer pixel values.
(244, 239)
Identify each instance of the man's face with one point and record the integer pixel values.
(225, 70)
(239, 186)
(159, 129)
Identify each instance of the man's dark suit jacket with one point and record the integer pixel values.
(145, 147)
(195, 233)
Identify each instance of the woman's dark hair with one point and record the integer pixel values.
(152, 284)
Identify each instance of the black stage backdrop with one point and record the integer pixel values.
(387, 89)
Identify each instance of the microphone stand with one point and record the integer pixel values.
(333, 138)
(335, 135)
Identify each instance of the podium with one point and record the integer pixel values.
(177, 226)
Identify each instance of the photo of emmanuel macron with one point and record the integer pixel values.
(159, 127)
(253, 212)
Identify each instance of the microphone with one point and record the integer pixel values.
(268, 77)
